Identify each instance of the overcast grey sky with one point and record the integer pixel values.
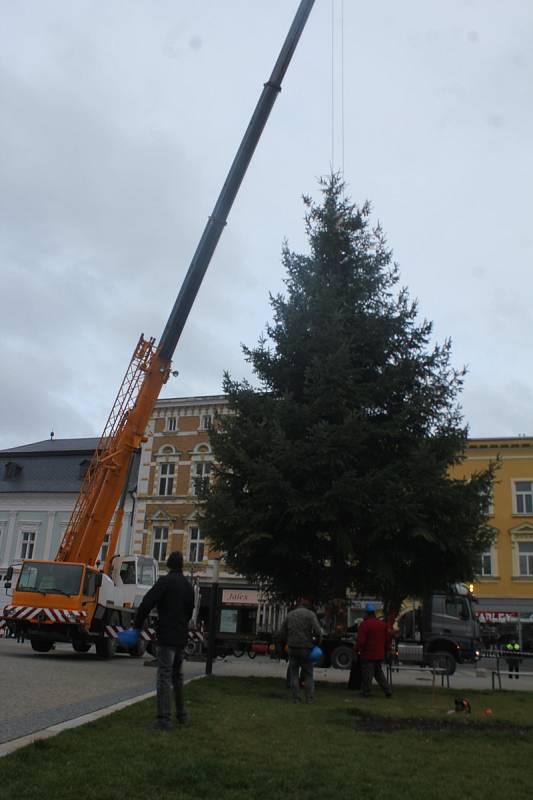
(119, 121)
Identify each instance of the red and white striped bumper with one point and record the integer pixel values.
(149, 634)
(44, 615)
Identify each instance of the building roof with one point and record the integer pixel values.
(54, 465)
(55, 446)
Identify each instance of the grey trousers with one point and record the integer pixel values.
(170, 681)
(299, 659)
(369, 670)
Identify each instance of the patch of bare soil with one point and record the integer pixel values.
(458, 723)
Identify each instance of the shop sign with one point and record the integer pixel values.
(360, 604)
(497, 617)
(240, 597)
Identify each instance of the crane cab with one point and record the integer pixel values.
(132, 577)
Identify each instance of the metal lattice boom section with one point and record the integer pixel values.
(105, 457)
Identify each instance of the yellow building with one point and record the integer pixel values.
(176, 459)
(504, 586)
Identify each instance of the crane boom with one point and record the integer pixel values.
(150, 366)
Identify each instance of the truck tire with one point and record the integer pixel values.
(341, 658)
(190, 648)
(138, 650)
(443, 660)
(105, 647)
(80, 647)
(41, 645)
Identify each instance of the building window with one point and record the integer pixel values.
(196, 545)
(525, 558)
(11, 471)
(202, 471)
(523, 497)
(487, 503)
(166, 479)
(27, 544)
(207, 422)
(171, 423)
(485, 564)
(160, 543)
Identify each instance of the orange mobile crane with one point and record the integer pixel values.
(70, 599)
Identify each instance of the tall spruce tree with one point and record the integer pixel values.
(334, 474)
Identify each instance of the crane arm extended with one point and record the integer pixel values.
(150, 367)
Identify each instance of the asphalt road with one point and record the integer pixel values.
(39, 690)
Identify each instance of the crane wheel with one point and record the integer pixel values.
(80, 647)
(105, 647)
(41, 645)
(138, 650)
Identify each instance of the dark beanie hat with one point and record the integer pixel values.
(175, 560)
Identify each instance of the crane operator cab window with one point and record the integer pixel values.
(90, 583)
(147, 571)
(127, 572)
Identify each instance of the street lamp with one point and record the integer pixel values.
(213, 604)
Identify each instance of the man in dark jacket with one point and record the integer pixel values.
(173, 596)
(301, 630)
(371, 645)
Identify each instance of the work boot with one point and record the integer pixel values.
(162, 725)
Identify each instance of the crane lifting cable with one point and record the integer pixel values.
(337, 86)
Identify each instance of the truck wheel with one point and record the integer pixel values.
(341, 658)
(105, 647)
(138, 650)
(190, 648)
(81, 647)
(238, 652)
(443, 660)
(41, 645)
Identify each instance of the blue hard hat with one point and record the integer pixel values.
(129, 638)
(316, 653)
(371, 608)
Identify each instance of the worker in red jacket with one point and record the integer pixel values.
(371, 646)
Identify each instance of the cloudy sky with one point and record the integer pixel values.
(119, 120)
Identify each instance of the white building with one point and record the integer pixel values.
(39, 484)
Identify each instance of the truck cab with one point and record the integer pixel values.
(55, 601)
(442, 632)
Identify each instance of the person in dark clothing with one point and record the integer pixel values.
(301, 629)
(173, 596)
(371, 645)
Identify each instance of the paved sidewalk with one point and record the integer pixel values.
(465, 677)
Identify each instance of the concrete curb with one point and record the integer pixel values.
(23, 741)
(53, 730)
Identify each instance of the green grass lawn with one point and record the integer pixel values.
(248, 740)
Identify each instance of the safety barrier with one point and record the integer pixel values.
(435, 672)
(512, 658)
